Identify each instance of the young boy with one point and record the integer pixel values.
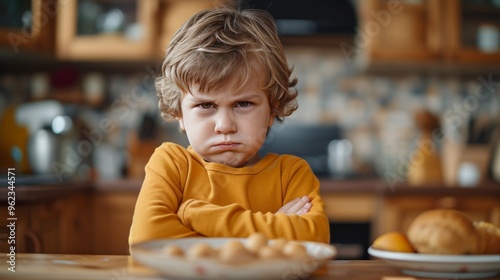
(225, 79)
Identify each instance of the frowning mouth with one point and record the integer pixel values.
(226, 145)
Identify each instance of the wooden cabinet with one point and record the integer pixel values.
(75, 226)
(399, 30)
(84, 222)
(59, 226)
(350, 207)
(28, 25)
(473, 31)
(398, 211)
(111, 219)
(443, 32)
(106, 30)
(147, 26)
(54, 226)
(393, 209)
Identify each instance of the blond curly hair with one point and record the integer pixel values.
(217, 45)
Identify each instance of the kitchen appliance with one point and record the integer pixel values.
(42, 150)
(36, 115)
(308, 141)
(48, 136)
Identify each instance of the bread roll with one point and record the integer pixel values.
(256, 241)
(488, 238)
(235, 252)
(443, 231)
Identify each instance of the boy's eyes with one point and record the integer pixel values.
(205, 105)
(208, 105)
(244, 104)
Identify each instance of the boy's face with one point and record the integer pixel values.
(227, 126)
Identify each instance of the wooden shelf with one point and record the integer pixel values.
(429, 36)
(474, 55)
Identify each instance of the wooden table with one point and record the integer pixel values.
(115, 267)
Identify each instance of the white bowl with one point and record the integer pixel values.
(151, 255)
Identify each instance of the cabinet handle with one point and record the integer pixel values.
(37, 244)
(448, 202)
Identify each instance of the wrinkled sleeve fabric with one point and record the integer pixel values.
(155, 214)
(233, 220)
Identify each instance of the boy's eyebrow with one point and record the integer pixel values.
(198, 98)
(210, 98)
(250, 96)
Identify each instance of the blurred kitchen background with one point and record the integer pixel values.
(400, 93)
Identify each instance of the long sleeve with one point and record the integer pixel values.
(155, 214)
(184, 196)
(232, 220)
(213, 220)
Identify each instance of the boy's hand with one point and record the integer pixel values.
(298, 206)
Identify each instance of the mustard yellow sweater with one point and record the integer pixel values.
(184, 196)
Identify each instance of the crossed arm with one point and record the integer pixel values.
(160, 213)
(154, 219)
(294, 220)
(157, 216)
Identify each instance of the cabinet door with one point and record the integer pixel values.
(27, 25)
(106, 29)
(473, 31)
(357, 207)
(45, 222)
(58, 226)
(75, 225)
(400, 30)
(111, 219)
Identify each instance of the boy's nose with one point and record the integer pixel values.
(225, 122)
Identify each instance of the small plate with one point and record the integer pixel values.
(150, 254)
(441, 266)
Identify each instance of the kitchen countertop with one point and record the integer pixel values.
(381, 187)
(329, 185)
(33, 193)
(121, 267)
(41, 192)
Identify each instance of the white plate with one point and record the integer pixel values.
(441, 266)
(150, 254)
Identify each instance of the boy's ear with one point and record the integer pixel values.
(181, 124)
(271, 119)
